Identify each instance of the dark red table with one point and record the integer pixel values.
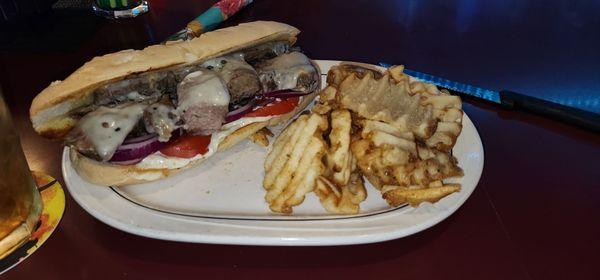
(534, 215)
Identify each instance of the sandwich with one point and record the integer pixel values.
(141, 115)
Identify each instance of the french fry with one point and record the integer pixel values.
(416, 196)
(261, 137)
(341, 188)
(294, 163)
(282, 146)
(302, 178)
(388, 156)
(382, 100)
(339, 158)
(342, 200)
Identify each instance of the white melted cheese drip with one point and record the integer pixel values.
(225, 65)
(160, 118)
(106, 128)
(160, 161)
(201, 87)
(287, 67)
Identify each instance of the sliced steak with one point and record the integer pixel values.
(243, 83)
(204, 120)
(148, 86)
(203, 102)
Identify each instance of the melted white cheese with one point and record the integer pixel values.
(162, 123)
(287, 68)
(106, 128)
(288, 60)
(225, 65)
(159, 161)
(218, 62)
(134, 95)
(202, 87)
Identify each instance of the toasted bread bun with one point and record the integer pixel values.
(49, 111)
(106, 174)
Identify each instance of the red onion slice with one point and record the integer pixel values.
(261, 101)
(139, 139)
(285, 93)
(264, 101)
(130, 152)
(239, 112)
(127, 162)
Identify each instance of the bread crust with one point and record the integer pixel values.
(49, 111)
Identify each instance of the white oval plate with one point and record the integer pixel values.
(221, 201)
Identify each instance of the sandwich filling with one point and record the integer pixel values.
(184, 112)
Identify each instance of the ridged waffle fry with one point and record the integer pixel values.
(294, 163)
(341, 188)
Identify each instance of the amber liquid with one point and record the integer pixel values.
(17, 188)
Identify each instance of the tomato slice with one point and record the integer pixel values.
(276, 108)
(187, 146)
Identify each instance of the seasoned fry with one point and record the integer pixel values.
(342, 200)
(341, 188)
(261, 137)
(338, 73)
(382, 100)
(302, 179)
(388, 156)
(327, 101)
(414, 196)
(423, 172)
(294, 163)
(339, 158)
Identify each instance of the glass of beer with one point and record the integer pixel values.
(20, 201)
(114, 9)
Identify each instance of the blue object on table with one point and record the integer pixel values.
(514, 100)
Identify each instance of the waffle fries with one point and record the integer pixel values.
(341, 188)
(339, 159)
(342, 200)
(393, 161)
(294, 164)
(390, 128)
(382, 100)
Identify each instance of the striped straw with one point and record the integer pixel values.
(210, 19)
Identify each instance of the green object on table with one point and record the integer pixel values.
(117, 4)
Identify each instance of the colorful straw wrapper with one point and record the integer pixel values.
(210, 19)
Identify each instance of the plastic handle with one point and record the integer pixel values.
(584, 119)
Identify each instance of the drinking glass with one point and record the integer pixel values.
(114, 9)
(20, 201)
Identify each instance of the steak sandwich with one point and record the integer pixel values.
(141, 115)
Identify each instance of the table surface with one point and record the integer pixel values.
(534, 214)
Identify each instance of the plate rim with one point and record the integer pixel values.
(289, 240)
